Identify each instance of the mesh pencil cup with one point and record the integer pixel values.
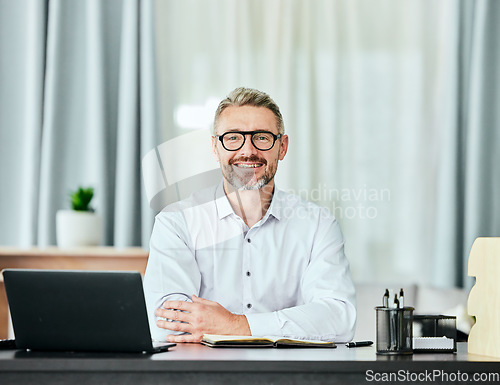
(394, 330)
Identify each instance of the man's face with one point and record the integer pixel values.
(248, 168)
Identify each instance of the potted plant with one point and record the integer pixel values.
(80, 226)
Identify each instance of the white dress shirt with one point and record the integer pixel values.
(287, 274)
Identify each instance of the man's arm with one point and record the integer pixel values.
(329, 311)
(172, 276)
(172, 272)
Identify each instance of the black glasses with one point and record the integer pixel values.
(234, 140)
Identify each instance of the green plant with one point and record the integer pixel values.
(80, 199)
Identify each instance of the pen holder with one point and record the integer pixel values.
(394, 330)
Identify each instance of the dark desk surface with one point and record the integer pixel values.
(200, 364)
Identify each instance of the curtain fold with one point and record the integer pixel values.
(30, 129)
(482, 151)
(127, 182)
(468, 200)
(150, 106)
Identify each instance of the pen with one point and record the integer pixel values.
(385, 298)
(396, 301)
(358, 343)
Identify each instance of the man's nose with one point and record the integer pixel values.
(248, 147)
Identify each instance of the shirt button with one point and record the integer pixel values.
(249, 240)
(248, 274)
(249, 305)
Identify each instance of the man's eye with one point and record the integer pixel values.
(234, 137)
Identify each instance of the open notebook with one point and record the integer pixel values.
(214, 341)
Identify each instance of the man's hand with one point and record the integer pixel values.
(199, 317)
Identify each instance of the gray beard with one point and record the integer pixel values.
(239, 182)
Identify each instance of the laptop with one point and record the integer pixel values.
(67, 310)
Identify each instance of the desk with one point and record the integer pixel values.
(197, 364)
(84, 258)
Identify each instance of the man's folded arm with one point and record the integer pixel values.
(171, 262)
(329, 309)
(326, 320)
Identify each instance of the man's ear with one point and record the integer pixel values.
(283, 147)
(214, 149)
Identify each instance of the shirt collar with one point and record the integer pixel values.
(221, 202)
(276, 204)
(224, 207)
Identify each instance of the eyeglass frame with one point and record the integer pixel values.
(245, 133)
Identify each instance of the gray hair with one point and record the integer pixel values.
(250, 97)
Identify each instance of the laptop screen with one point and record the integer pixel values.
(78, 310)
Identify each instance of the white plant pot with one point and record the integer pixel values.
(77, 228)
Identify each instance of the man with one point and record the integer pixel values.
(244, 258)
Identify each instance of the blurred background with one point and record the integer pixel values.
(392, 109)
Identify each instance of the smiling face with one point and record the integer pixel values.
(248, 168)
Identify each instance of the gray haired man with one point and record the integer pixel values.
(243, 257)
